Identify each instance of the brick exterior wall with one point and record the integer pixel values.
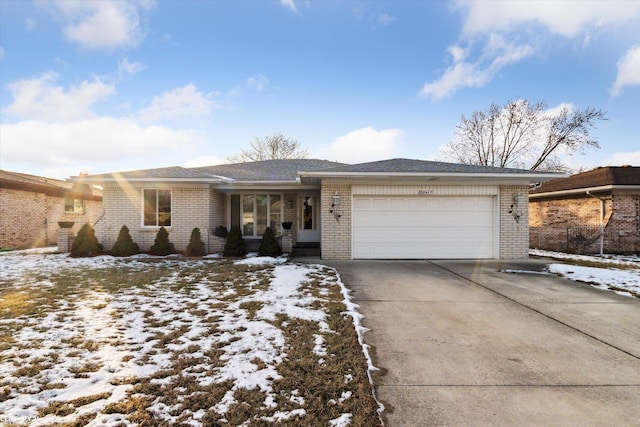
(336, 233)
(30, 219)
(554, 221)
(514, 234)
(190, 208)
(217, 208)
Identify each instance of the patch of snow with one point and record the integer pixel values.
(602, 278)
(512, 271)
(342, 421)
(284, 416)
(633, 260)
(626, 281)
(254, 259)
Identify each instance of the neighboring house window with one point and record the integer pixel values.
(74, 206)
(253, 213)
(157, 208)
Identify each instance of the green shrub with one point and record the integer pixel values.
(235, 244)
(124, 246)
(196, 245)
(86, 243)
(269, 245)
(162, 246)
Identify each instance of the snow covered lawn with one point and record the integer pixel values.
(620, 274)
(175, 341)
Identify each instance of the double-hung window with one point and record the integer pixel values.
(75, 206)
(156, 207)
(253, 213)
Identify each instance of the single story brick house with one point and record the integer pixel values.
(567, 214)
(397, 208)
(31, 207)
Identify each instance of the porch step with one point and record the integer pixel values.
(306, 249)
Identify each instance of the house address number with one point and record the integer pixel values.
(424, 192)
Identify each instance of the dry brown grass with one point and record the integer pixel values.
(324, 386)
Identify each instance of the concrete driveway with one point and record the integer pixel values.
(461, 343)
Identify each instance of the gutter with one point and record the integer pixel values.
(438, 175)
(580, 191)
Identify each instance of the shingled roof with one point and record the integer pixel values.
(49, 186)
(266, 170)
(420, 166)
(599, 177)
(407, 169)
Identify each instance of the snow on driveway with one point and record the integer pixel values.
(620, 274)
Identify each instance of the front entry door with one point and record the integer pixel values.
(308, 218)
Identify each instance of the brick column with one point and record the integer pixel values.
(287, 241)
(65, 237)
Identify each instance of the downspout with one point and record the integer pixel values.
(601, 221)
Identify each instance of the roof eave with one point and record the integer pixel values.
(584, 190)
(529, 177)
(168, 180)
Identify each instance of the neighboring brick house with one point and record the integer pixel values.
(567, 214)
(397, 208)
(31, 207)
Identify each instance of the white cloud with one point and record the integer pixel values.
(41, 99)
(91, 141)
(628, 71)
(555, 111)
(181, 101)
(457, 53)
(202, 161)
(1, 53)
(631, 158)
(362, 145)
(564, 17)
(30, 24)
(100, 24)
(496, 54)
(385, 19)
(129, 68)
(290, 4)
(258, 82)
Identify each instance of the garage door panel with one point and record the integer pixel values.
(423, 227)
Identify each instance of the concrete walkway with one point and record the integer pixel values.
(461, 343)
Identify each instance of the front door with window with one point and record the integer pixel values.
(308, 218)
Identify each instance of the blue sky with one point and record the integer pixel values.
(106, 86)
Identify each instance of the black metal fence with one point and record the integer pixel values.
(583, 239)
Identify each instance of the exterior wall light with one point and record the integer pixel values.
(514, 209)
(334, 206)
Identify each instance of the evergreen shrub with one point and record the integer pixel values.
(235, 245)
(162, 246)
(86, 243)
(124, 246)
(196, 245)
(269, 245)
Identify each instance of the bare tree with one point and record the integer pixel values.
(523, 135)
(272, 147)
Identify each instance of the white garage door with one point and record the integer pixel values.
(423, 227)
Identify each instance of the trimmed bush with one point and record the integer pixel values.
(196, 245)
(124, 246)
(86, 243)
(235, 244)
(269, 245)
(162, 246)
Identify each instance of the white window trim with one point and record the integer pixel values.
(142, 208)
(253, 193)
